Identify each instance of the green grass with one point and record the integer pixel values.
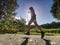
(20, 33)
(35, 31)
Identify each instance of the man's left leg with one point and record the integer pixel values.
(42, 32)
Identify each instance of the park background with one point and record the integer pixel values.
(14, 16)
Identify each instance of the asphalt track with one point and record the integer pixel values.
(17, 39)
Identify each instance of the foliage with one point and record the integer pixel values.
(20, 23)
(55, 9)
(7, 16)
(51, 25)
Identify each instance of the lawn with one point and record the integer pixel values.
(49, 32)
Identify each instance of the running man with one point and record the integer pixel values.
(33, 19)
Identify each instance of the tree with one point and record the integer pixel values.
(7, 12)
(7, 9)
(20, 24)
(55, 9)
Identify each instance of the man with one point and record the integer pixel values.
(33, 19)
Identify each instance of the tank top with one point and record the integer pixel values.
(33, 16)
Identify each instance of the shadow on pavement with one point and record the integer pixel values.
(47, 41)
(26, 41)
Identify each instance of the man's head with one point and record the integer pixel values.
(31, 9)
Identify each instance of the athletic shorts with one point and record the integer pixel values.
(33, 18)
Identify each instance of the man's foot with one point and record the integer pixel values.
(27, 33)
(42, 34)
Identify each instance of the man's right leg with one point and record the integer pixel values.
(28, 31)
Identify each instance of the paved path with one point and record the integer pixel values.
(17, 39)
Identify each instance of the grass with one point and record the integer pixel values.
(20, 33)
(36, 32)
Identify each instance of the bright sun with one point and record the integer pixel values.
(28, 15)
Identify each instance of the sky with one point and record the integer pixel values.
(42, 9)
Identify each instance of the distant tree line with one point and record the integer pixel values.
(51, 25)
